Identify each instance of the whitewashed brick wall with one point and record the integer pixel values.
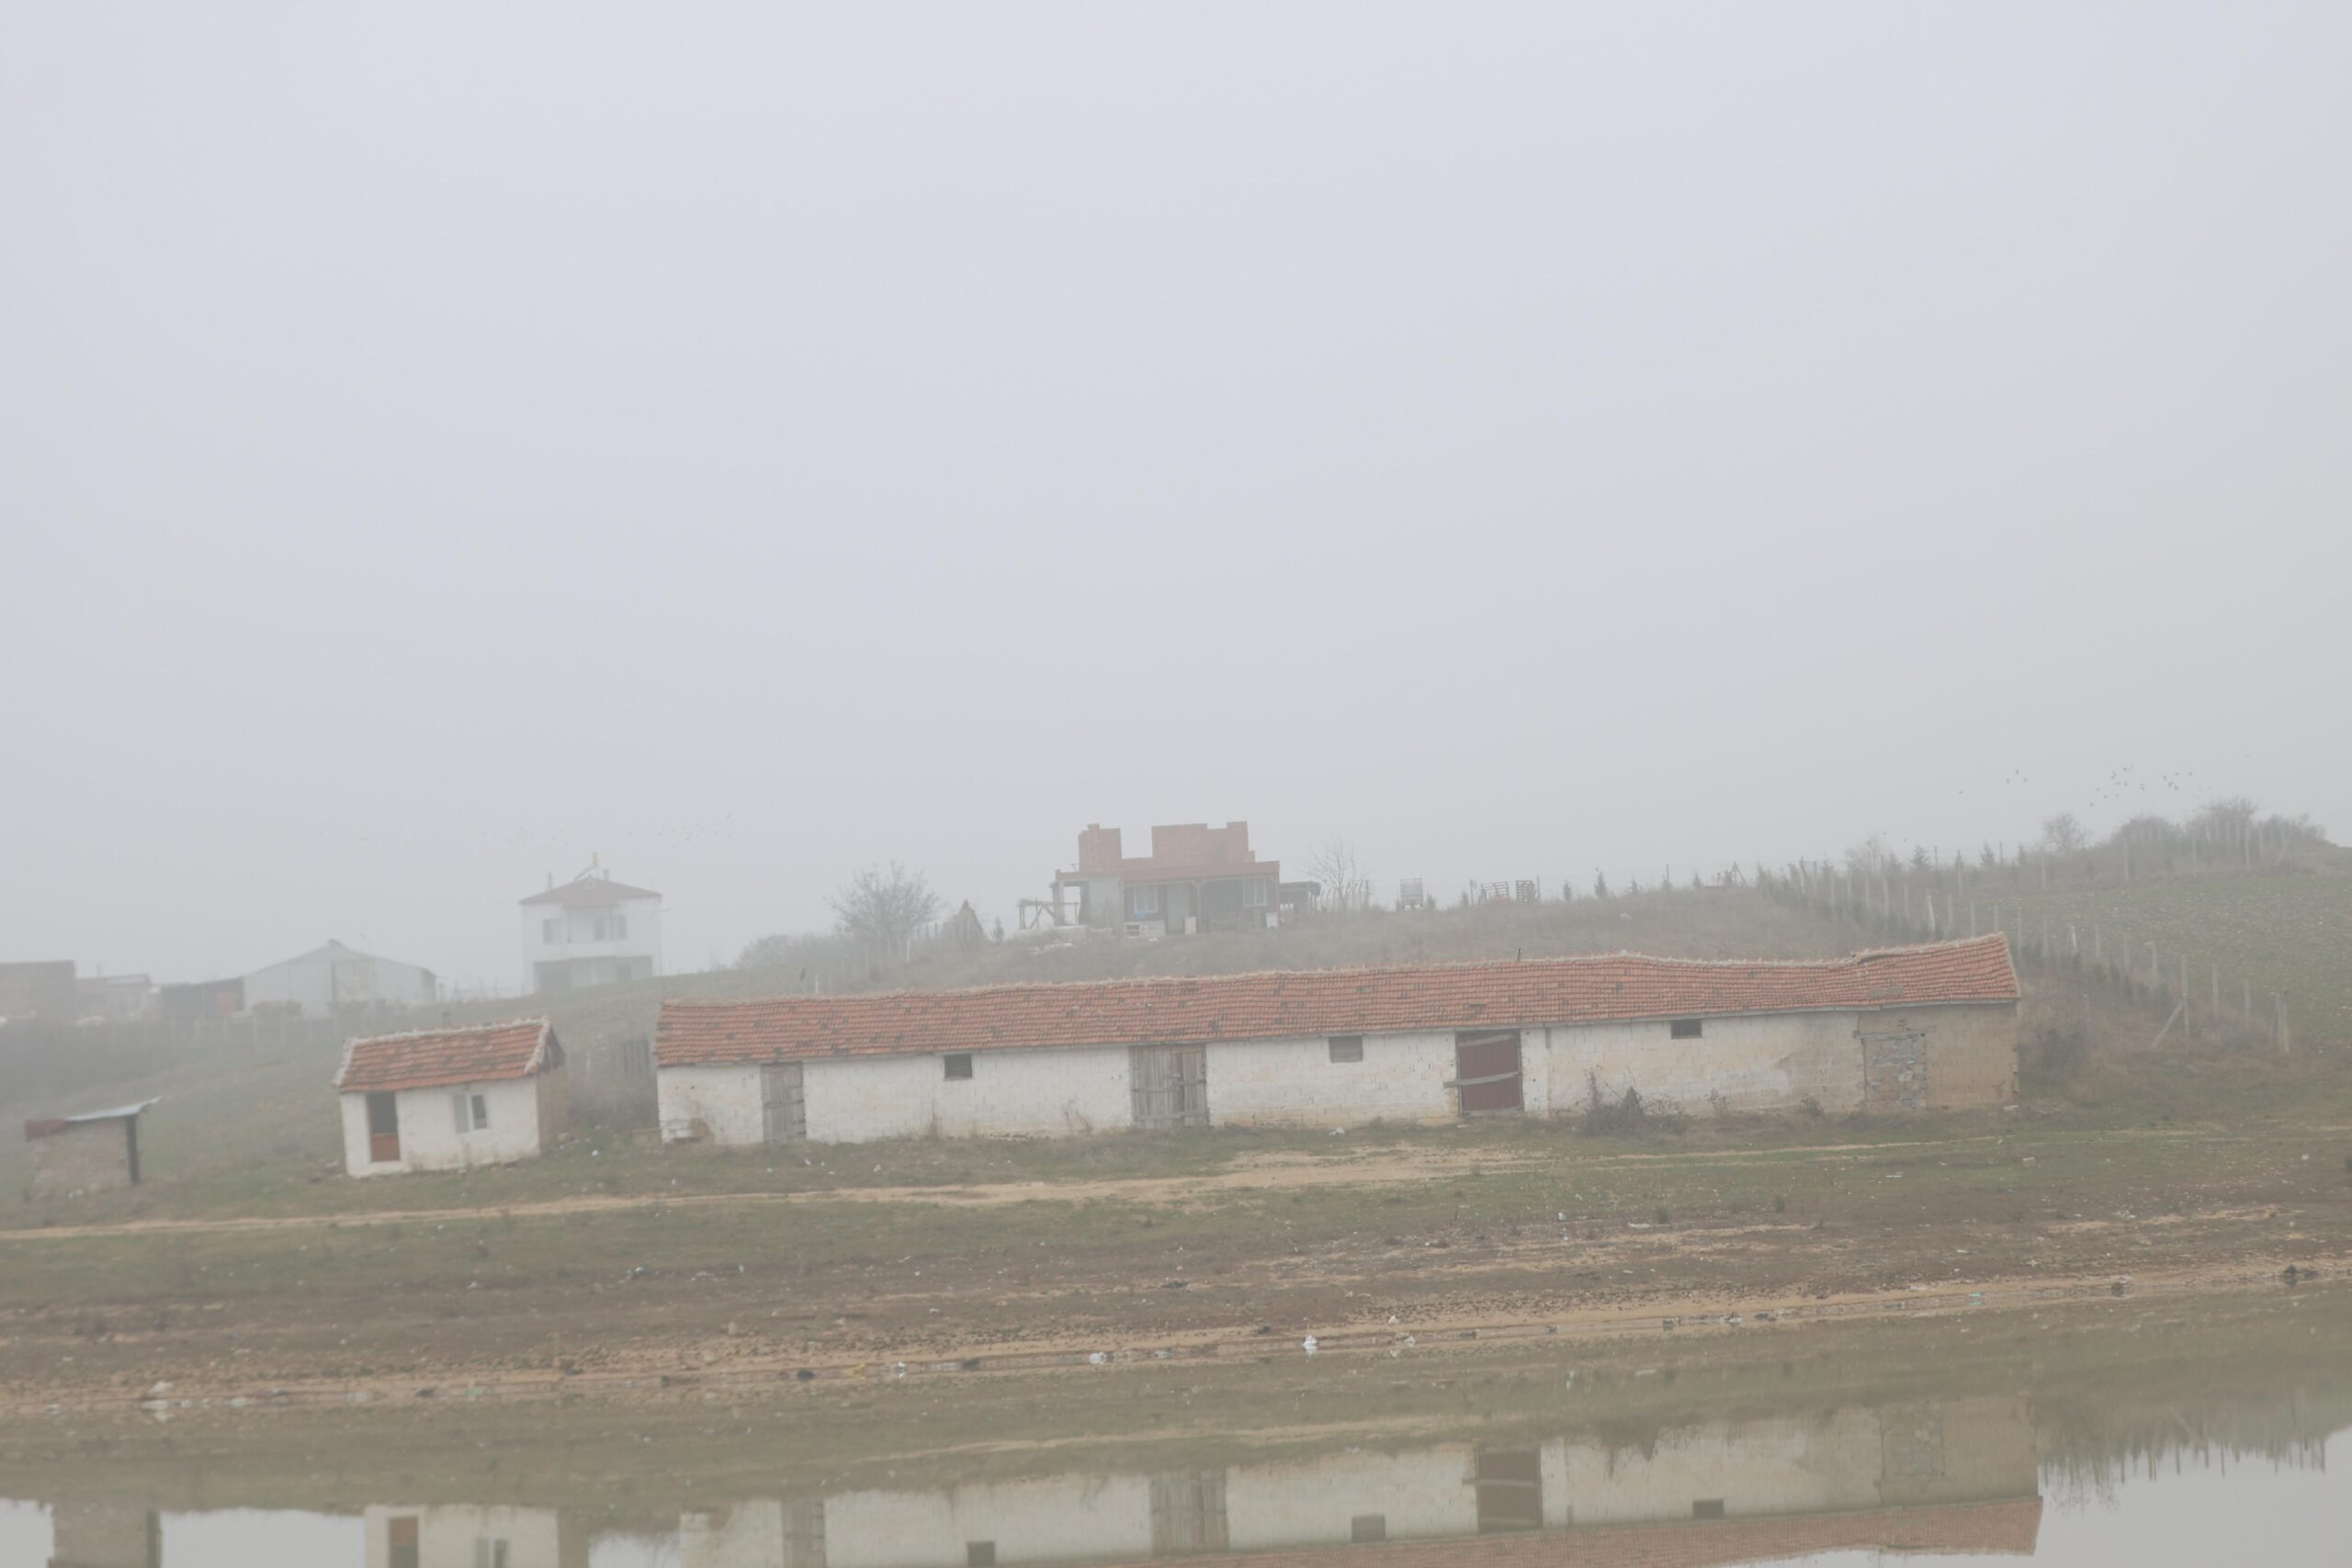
(1773, 1466)
(1765, 1063)
(446, 1537)
(1294, 1083)
(1422, 1494)
(1011, 1093)
(723, 1101)
(1772, 1062)
(1062, 1518)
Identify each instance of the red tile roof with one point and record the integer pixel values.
(589, 893)
(1602, 988)
(2008, 1527)
(430, 1056)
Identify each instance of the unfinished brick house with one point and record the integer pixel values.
(1197, 878)
(451, 1098)
(1899, 1029)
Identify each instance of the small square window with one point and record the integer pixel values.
(1142, 903)
(1683, 1029)
(1368, 1528)
(959, 1065)
(1253, 892)
(480, 1111)
(1707, 1509)
(1346, 1047)
(980, 1554)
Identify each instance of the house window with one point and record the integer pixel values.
(612, 928)
(551, 931)
(1253, 892)
(1346, 1047)
(1367, 1527)
(980, 1554)
(489, 1554)
(960, 1063)
(1707, 1509)
(1683, 1029)
(1142, 903)
(471, 1110)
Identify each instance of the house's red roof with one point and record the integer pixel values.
(430, 1056)
(1602, 988)
(589, 893)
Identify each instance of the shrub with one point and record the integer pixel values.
(1629, 1114)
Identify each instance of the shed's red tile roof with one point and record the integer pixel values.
(1602, 989)
(2008, 1527)
(430, 1056)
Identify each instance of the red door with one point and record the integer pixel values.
(383, 1129)
(1486, 1069)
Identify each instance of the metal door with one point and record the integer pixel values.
(784, 1114)
(1510, 1487)
(1486, 1070)
(1170, 1085)
(383, 1128)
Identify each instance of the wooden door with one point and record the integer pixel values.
(1188, 1512)
(1170, 1085)
(383, 1128)
(403, 1541)
(784, 1113)
(1486, 1070)
(804, 1532)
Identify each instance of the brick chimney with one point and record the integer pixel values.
(1098, 850)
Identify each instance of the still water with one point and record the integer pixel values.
(2122, 1439)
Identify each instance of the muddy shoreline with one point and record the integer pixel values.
(1428, 1241)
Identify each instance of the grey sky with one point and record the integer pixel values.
(438, 442)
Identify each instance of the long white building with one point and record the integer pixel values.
(1916, 1027)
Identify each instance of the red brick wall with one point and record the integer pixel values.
(1098, 850)
(1197, 843)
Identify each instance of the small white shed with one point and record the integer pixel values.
(451, 1098)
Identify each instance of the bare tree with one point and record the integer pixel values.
(884, 907)
(1347, 890)
(1869, 857)
(2063, 834)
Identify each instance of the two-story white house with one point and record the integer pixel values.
(590, 930)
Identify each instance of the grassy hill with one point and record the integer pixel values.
(2289, 934)
(2283, 930)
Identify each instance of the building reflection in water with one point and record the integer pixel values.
(1949, 1475)
(467, 1535)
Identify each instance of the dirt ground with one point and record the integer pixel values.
(1371, 1250)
